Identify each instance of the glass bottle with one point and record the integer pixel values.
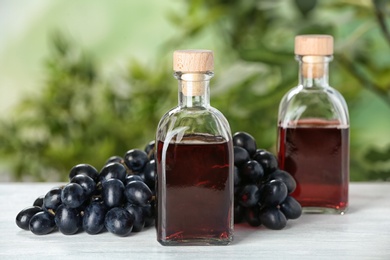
(313, 131)
(194, 158)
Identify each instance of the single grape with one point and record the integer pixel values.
(138, 193)
(149, 149)
(267, 160)
(249, 195)
(291, 208)
(237, 177)
(42, 223)
(112, 193)
(73, 195)
(135, 160)
(93, 219)
(119, 221)
(272, 218)
(113, 171)
(149, 173)
(139, 216)
(252, 171)
(238, 213)
(284, 177)
(246, 141)
(149, 214)
(68, 220)
(39, 201)
(86, 182)
(240, 155)
(133, 177)
(115, 158)
(252, 216)
(23, 218)
(273, 193)
(84, 169)
(52, 199)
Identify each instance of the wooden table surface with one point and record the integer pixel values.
(362, 233)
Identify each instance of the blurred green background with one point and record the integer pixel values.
(83, 80)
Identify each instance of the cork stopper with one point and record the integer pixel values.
(315, 45)
(193, 60)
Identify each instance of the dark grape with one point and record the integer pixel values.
(240, 155)
(52, 199)
(73, 195)
(149, 173)
(139, 216)
(267, 160)
(237, 177)
(86, 182)
(249, 195)
(119, 221)
(68, 220)
(138, 193)
(93, 219)
(113, 171)
(273, 193)
(149, 214)
(115, 158)
(291, 208)
(284, 177)
(252, 216)
(272, 218)
(252, 171)
(135, 160)
(133, 177)
(238, 213)
(245, 141)
(149, 149)
(112, 193)
(42, 223)
(23, 218)
(39, 201)
(84, 169)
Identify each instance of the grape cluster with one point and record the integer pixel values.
(120, 198)
(261, 189)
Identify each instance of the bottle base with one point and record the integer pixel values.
(322, 210)
(196, 242)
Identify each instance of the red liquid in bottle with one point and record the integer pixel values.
(196, 201)
(316, 154)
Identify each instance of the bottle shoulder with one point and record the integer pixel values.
(322, 102)
(300, 91)
(189, 121)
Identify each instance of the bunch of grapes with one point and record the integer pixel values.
(119, 198)
(261, 190)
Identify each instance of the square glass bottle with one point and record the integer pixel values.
(313, 131)
(194, 158)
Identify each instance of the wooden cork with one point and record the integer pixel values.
(313, 66)
(313, 48)
(193, 60)
(314, 45)
(193, 85)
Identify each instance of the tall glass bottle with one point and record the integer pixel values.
(313, 131)
(194, 161)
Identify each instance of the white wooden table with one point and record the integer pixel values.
(362, 233)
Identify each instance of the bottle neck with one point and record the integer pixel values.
(313, 70)
(194, 90)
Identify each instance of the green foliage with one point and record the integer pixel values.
(83, 117)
